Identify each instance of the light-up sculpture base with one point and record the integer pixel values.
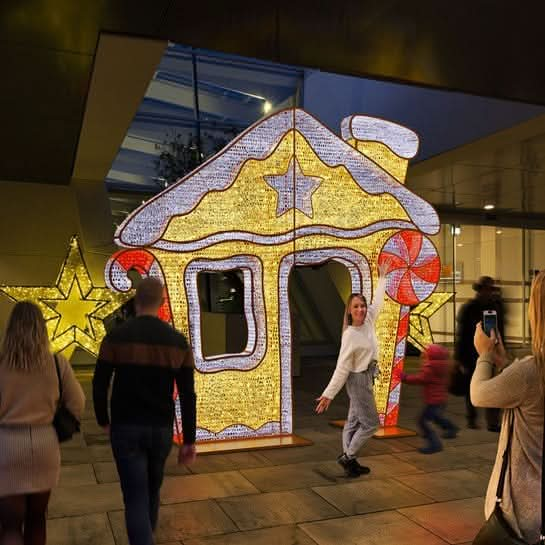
(256, 443)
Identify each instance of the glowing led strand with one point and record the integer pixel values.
(285, 192)
(73, 308)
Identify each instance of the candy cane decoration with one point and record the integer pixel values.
(143, 262)
(414, 273)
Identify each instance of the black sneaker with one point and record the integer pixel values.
(349, 465)
(364, 470)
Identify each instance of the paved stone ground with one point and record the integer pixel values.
(289, 496)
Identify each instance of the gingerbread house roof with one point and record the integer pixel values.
(274, 182)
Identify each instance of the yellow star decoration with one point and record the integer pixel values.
(74, 309)
(420, 334)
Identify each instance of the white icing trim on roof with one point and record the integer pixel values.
(269, 240)
(401, 140)
(147, 223)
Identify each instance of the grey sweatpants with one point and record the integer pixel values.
(363, 418)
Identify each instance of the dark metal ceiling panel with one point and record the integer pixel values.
(37, 150)
(487, 47)
(46, 57)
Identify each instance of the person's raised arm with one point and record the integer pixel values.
(380, 291)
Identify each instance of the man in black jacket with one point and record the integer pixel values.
(467, 319)
(145, 356)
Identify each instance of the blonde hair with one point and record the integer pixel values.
(536, 315)
(25, 346)
(347, 320)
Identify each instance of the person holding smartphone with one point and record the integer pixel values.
(471, 314)
(517, 387)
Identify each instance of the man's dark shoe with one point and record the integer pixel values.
(495, 429)
(473, 425)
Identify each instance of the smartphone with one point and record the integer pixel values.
(490, 321)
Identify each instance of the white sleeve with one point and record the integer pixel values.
(378, 299)
(343, 368)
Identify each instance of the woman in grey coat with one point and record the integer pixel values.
(519, 389)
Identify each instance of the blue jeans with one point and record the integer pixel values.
(434, 413)
(140, 454)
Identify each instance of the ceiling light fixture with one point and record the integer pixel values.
(267, 107)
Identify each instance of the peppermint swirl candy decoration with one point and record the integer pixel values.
(414, 269)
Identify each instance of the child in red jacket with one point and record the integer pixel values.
(434, 376)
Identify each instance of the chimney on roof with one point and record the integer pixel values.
(388, 144)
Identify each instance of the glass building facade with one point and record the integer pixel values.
(511, 256)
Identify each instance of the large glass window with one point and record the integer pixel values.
(510, 256)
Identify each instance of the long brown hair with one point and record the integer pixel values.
(347, 320)
(536, 315)
(26, 345)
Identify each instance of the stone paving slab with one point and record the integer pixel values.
(82, 500)
(447, 485)
(312, 453)
(207, 486)
(227, 462)
(180, 522)
(106, 472)
(387, 465)
(279, 535)
(484, 451)
(277, 508)
(454, 521)
(366, 496)
(388, 528)
(81, 530)
(440, 461)
(291, 476)
(77, 475)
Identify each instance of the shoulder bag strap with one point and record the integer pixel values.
(58, 377)
(505, 459)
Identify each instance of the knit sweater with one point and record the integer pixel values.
(359, 346)
(516, 388)
(31, 398)
(145, 356)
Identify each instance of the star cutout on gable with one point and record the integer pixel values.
(73, 308)
(420, 334)
(294, 181)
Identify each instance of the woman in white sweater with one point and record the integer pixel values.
(357, 367)
(518, 389)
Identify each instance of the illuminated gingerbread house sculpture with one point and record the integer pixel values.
(286, 192)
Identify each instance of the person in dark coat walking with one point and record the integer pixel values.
(468, 317)
(434, 377)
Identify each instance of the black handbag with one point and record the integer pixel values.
(496, 530)
(64, 422)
